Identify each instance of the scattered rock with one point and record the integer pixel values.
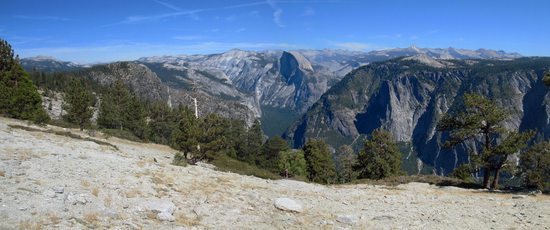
(163, 216)
(287, 204)
(519, 196)
(535, 193)
(205, 165)
(163, 208)
(50, 194)
(59, 190)
(383, 217)
(76, 199)
(347, 219)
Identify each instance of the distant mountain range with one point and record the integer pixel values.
(273, 85)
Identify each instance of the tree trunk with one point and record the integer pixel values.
(494, 185)
(486, 175)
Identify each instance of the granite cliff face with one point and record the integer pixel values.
(407, 96)
(149, 86)
(272, 78)
(276, 86)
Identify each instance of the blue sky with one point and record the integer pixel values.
(107, 30)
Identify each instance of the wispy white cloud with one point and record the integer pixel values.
(240, 30)
(245, 5)
(134, 50)
(139, 18)
(168, 5)
(277, 13)
(41, 18)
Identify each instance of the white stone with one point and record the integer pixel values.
(161, 206)
(519, 196)
(59, 189)
(347, 219)
(163, 216)
(287, 204)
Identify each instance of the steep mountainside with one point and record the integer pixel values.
(407, 96)
(274, 85)
(147, 85)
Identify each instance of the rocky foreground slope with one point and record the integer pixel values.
(59, 182)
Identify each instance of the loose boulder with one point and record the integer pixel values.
(287, 204)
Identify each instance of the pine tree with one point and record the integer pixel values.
(482, 118)
(78, 104)
(292, 163)
(270, 153)
(345, 161)
(114, 104)
(185, 137)
(380, 157)
(19, 97)
(162, 122)
(320, 166)
(237, 137)
(214, 139)
(134, 116)
(253, 145)
(535, 166)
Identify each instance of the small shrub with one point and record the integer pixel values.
(179, 159)
(463, 172)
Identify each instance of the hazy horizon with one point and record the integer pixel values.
(102, 31)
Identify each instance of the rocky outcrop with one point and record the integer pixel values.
(133, 191)
(150, 87)
(408, 96)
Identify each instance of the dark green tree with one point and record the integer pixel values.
(345, 161)
(134, 116)
(78, 104)
(271, 150)
(119, 109)
(253, 145)
(19, 97)
(292, 163)
(380, 157)
(185, 137)
(113, 106)
(237, 137)
(320, 166)
(162, 121)
(213, 138)
(463, 172)
(482, 118)
(497, 157)
(534, 166)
